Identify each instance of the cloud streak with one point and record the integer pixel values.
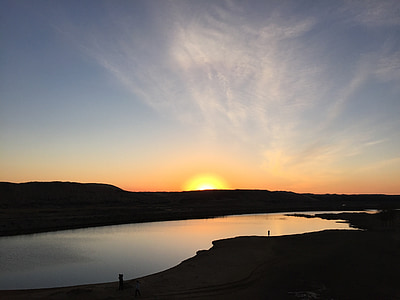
(213, 69)
(254, 75)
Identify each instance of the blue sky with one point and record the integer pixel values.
(280, 95)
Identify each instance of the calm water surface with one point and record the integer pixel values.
(99, 254)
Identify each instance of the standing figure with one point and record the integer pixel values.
(121, 281)
(137, 289)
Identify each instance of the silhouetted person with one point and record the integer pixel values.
(269, 232)
(121, 281)
(137, 288)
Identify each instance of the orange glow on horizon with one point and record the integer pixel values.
(205, 182)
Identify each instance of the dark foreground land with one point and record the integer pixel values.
(324, 265)
(48, 206)
(334, 264)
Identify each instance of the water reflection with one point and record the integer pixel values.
(99, 254)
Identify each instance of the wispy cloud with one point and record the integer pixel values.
(236, 71)
(388, 66)
(374, 13)
(214, 68)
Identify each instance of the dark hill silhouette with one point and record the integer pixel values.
(34, 194)
(45, 206)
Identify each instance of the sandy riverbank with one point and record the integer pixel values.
(330, 265)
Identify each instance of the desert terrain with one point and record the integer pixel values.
(333, 264)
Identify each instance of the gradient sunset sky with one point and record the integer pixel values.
(150, 95)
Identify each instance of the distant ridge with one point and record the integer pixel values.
(55, 192)
(45, 206)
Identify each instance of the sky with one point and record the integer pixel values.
(150, 95)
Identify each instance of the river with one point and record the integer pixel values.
(99, 254)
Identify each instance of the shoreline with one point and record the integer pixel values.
(339, 264)
(167, 219)
(320, 263)
(35, 207)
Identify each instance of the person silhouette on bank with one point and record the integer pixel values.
(137, 289)
(121, 281)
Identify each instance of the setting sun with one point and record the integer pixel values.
(205, 182)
